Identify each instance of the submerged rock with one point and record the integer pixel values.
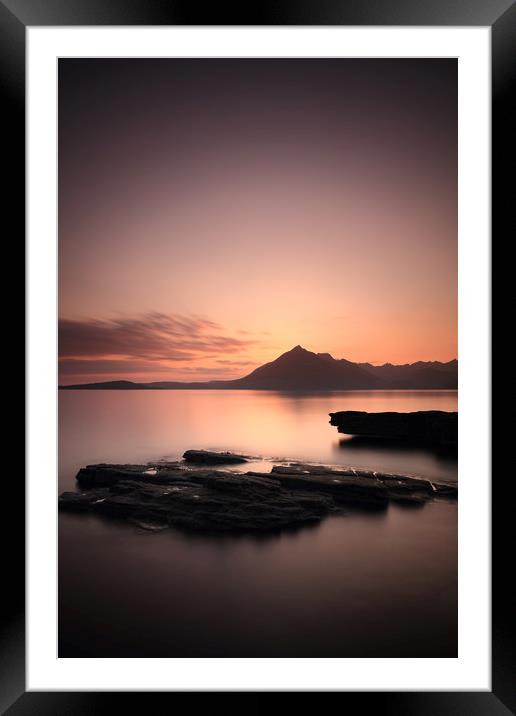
(206, 457)
(169, 494)
(434, 427)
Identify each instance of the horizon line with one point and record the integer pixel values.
(222, 381)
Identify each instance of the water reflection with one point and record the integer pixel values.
(140, 426)
(355, 585)
(358, 442)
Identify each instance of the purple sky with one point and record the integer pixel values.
(214, 213)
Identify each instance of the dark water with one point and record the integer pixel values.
(360, 585)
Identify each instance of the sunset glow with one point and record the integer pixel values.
(214, 214)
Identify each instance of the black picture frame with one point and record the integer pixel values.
(15, 17)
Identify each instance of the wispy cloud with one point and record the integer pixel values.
(84, 366)
(152, 342)
(234, 363)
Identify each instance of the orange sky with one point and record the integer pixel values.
(211, 218)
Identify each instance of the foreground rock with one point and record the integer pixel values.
(206, 457)
(434, 427)
(156, 496)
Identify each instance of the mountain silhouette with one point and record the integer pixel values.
(430, 374)
(300, 369)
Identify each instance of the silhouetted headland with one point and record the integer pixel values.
(302, 370)
(431, 427)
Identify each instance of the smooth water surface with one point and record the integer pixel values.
(358, 585)
(136, 426)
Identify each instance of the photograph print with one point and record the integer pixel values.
(257, 263)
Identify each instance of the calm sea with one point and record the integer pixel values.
(359, 585)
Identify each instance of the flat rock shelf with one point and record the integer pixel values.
(156, 496)
(431, 427)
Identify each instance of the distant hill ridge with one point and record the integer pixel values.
(300, 369)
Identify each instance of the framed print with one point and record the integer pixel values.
(258, 354)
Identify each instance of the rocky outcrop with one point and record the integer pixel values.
(156, 496)
(206, 457)
(433, 427)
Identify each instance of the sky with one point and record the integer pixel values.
(214, 213)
